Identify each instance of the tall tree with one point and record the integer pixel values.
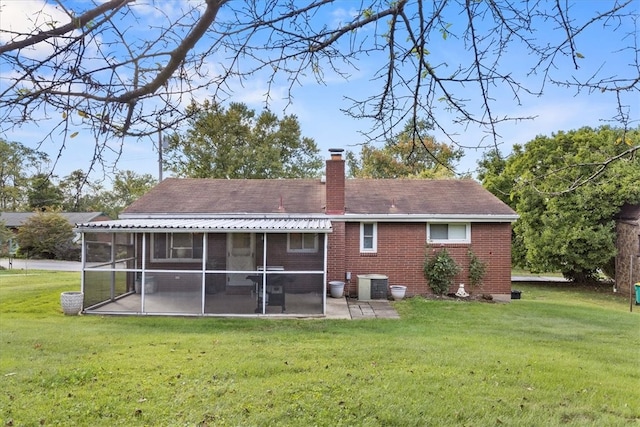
(127, 187)
(98, 68)
(491, 172)
(43, 194)
(411, 154)
(17, 163)
(79, 194)
(234, 142)
(567, 189)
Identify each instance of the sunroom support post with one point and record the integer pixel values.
(205, 239)
(83, 261)
(264, 273)
(113, 267)
(324, 274)
(144, 265)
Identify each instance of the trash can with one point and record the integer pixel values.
(637, 285)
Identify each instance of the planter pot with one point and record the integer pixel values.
(149, 285)
(337, 289)
(71, 302)
(398, 291)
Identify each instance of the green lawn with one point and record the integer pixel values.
(558, 356)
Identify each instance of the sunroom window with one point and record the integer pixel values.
(176, 246)
(448, 233)
(302, 242)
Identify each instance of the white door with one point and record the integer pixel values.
(240, 256)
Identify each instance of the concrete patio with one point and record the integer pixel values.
(350, 308)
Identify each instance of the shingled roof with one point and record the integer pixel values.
(176, 197)
(17, 219)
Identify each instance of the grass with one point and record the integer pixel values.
(560, 356)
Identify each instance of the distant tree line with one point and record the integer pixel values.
(25, 188)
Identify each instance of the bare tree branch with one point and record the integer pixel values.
(76, 23)
(116, 68)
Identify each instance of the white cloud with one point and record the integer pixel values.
(22, 17)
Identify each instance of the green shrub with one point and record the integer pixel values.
(477, 270)
(439, 270)
(47, 235)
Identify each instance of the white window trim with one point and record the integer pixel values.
(467, 238)
(303, 250)
(176, 260)
(374, 247)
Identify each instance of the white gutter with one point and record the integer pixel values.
(379, 217)
(425, 217)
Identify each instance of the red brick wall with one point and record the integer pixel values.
(334, 185)
(491, 242)
(401, 252)
(336, 260)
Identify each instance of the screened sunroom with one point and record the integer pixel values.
(205, 267)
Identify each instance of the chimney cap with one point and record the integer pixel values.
(336, 153)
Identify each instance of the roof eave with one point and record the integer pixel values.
(378, 217)
(427, 217)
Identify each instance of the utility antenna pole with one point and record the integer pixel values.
(159, 151)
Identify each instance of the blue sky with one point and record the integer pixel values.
(318, 106)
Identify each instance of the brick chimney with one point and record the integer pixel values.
(335, 183)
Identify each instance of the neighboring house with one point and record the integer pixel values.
(207, 246)
(14, 220)
(628, 246)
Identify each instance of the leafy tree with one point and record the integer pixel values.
(47, 234)
(43, 193)
(567, 189)
(16, 161)
(236, 143)
(413, 153)
(491, 172)
(79, 194)
(127, 187)
(94, 65)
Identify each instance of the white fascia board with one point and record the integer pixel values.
(339, 218)
(444, 218)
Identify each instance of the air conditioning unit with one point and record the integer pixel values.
(372, 286)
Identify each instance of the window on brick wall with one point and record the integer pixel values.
(368, 237)
(302, 242)
(176, 246)
(448, 232)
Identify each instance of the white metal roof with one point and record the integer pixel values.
(266, 225)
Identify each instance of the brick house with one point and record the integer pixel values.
(209, 245)
(628, 246)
